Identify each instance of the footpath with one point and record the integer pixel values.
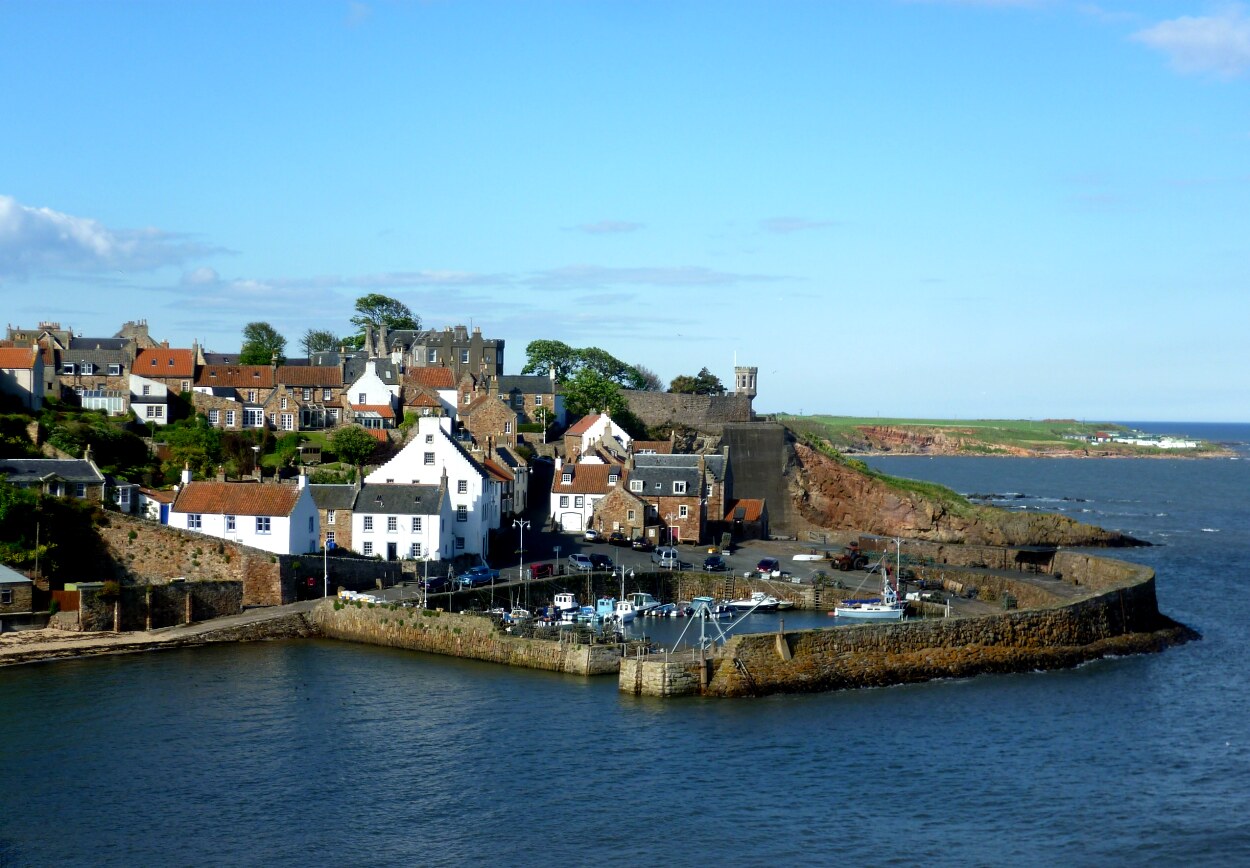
(272, 622)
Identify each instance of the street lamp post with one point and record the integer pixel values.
(256, 461)
(522, 524)
(325, 566)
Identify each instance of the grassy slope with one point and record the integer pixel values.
(842, 431)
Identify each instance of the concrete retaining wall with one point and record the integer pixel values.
(470, 636)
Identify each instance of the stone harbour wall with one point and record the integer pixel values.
(471, 636)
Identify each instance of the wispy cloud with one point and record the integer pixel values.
(43, 241)
(785, 225)
(1216, 44)
(606, 227)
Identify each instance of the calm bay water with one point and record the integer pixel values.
(297, 753)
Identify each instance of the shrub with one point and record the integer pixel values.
(54, 606)
(132, 536)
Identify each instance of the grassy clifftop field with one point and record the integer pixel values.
(1047, 438)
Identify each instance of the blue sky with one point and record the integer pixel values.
(987, 209)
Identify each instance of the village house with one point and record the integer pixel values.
(334, 513)
(234, 396)
(535, 398)
(577, 488)
(373, 397)
(404, 521)
(680, 493)
(17, 593)
(596, 438)
(745, 518)
(78, 478)
(97, 371)
(486, 417)
(457, 348)
(22, 376)
(173, 368)
(149, 400)
(432, 453)
(274, 517)
(429, 388)
(314, 393)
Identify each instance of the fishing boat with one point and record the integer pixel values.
(757, 602)
(709, 608)
(664, 610)
(886, 608)
(565, 602)
(643, 602)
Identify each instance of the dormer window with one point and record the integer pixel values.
(679, 488)
(154, 361)
(171, 362)
(635, 485)
(613, 478)
(115, 370)
(88, 368)
(566, 478)
(68, 368)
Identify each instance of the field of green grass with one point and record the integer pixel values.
(988, 435)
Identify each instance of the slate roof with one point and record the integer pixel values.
(528, 384)
(100, 357)
(236, 376)
(108, 344)
(10, 576)
(588, 478)
(432, 377)
(23, 357)
(392, 499)
(221, 358)
(25, 471)
(659, 480)
(715, 463)
(164, 362)
(237, 498)
(333, 496)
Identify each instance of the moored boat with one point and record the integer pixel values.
(757, 602)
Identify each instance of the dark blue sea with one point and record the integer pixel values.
(315, 752)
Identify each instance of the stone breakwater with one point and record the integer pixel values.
(1117, 615)
(470, 636)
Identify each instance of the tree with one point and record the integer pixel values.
(318, 341)
(702, 383)
(591, 392)
(648, 380)
(545, 356)
(376, 310)
(352, 444)
(261, 342)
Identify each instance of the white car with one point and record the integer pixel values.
(591, 535)
(666, 556)
(581, 562)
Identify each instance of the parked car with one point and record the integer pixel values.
(601, 562)
(616, 538)
(666, 556)
(542, 571)
(592, 535)
(475, 576)
(579, 561)
(641, 544)
(714, 564)
(435, 584)
(768, 566)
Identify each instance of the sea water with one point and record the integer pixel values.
(317, 752)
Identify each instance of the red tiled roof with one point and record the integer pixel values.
(164, 362)
(383, 410)
(378, 434)
(237, 498)
(583, 424)
(587, 478)
(424, 399)
(18, 357)
(236, 376)
(432, 377)
(754, 509)
(500, 473)
(310, 375)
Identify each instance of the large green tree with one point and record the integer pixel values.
(378, 310)
(261, 342)
(352, 443)
(544, 356)
(702, 383)
(318, 341)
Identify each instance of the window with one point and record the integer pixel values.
(679, 487)
(462, 513)
(230, 523)
(229, 418)
(566, 478)
(459, 543)
(538, 400)
(683, 511)
(564, 501)
(273, 419)
(88, 368)
(147, 390)
(154, 361)
(416, 524)
(325, 395)
(307, 394)
(284, 402)
(635, 485)
(464, 357)
(429, 438)
(251, 396)
(123, 497)
(253, 417)
(429, 458)
(6, 596)
(518, 401)
(432, 357)
(154, 411)
(115, 370)
(415, 550)
(629, 515)
(659, 486)
(392, 524)
(288, 421)
(709, 491)
(214, 416)
(311, 525)
(468, 396)
(80, 489)
(186, 385)
(195, 521)
(330, 516)
(579, 501)
(68, 368)
(329, 538)
(332, 416)
(368, 523)
(613, 478)
(262, 524)
(507, 427)
(367, 549)
(462, 486)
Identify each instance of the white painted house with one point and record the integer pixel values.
(149, 399)
(432, 454)
(403, 521)
(576, 488)
(592, 432)
(274, 517)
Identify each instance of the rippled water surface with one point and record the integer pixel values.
(317, 752)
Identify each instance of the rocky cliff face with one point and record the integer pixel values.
(835, 496)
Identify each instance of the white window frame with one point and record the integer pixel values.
(329, 537)
(230, 525)
(462, 486)
(564, 501)
(428, 459)
(330, 514)
(579, 501)
(229, 418)
(683, 511)
(214, 416)
(115, 370)
(416, 524)
(679, 487)
(195, 521)
(414, 551)
(367, 549)
(368, 524)
(392, 524)
(263, 525)
(462, 513)
(635, 485)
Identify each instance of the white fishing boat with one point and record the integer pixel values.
(643, 602)
(623, 612)
(757, 602)
(565, 602)
(889, 607)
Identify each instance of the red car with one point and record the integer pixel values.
(542, 571)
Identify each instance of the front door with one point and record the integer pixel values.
(392, 550)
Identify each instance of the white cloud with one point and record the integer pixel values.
(607, 227)
(1217, 44)
(202, 276)
(42, 241)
